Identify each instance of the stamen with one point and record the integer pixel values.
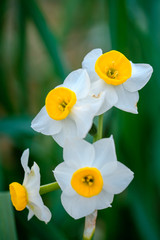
(112, 73)
(89, 180)
(62, 106)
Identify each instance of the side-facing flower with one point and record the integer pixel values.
(69, 110)
(27, 194)
(90, 176)
(112, 70)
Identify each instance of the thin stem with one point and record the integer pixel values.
(98, 136)
(49, 188)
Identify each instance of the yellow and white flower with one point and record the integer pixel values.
(27, 194)
(113, 71)
(69, 110)
(90, 176)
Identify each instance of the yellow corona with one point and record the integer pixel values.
(87, 182)
(59, 102)
(113, 67)
(18, 196)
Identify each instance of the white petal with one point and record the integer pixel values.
(77, 206)
(79, 82)
(69, 191)
(104, 154)
(35, 203)
(24, 162)
(89, 63)
(127, 101)
(63, 175)
(97, 87)
(83, 113)
(101, 89)
(44, 124)
(103, 200)
(68, 131)
(141, 74)
(39, 210)
(78, 154)
(30, 214)
(32, 181)
(118, 180)
(108, 168)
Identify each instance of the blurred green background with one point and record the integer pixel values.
(40, 43)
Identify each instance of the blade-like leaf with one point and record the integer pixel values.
(46, 35)
(7, 223)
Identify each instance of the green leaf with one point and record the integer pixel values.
(7, 223)
(1, 174)
(21, 67)
(47, 36)
(5, 99)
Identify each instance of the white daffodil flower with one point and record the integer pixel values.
(27, 194)
(90, 176)
(69, 110)
(113, 71)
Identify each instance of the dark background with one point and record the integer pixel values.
(40, 43)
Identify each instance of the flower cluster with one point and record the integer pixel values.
(90, 174)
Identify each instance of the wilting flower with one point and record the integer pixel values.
(27, 194)
(69, 110)
(90, 176)
(112, 71)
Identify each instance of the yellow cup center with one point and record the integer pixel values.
(59, 102)
(113, 67)
(87, 181)
(18, 196)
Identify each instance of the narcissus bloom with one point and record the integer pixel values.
(113, 71)
(27, 194)
(90, 176)
(69, 110)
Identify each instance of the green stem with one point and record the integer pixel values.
(49, 188)
(98, 136)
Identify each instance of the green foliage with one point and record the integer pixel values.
(7, 223)
(42, 41)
